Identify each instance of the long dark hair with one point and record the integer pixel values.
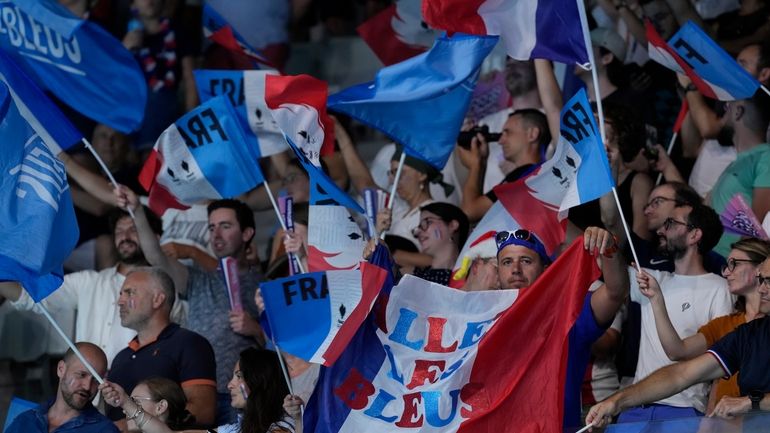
(267, 389)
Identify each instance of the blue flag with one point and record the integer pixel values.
(323, 190)
(56, 16)
(421, 102)
(91, 71)
(37, 221)
(246, 92)
(725, 78)
(37, 109)
(579, 171)
(217, 29)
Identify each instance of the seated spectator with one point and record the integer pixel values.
(258, 393)
(740, 272)
(145, 301)
(442, 231)
(71, 410)
(164, 399)
(743, 351)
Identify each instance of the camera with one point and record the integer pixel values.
(465, 137)
(650, 151)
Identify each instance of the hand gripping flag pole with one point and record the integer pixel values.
(105, 170)
(283, 226)
(597, 96)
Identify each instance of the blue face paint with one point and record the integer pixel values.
(243, 391)
(437, 233)
(131, 304)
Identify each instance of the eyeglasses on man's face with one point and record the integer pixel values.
(670, 223)
(657, 201)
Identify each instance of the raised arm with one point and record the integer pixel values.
(675, 347)
(126, 199)
(359, 173)
(663, 383)
(608, 298)
(474, 203)
(91, 182)
(550, 96)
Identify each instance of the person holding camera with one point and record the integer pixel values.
(523, 139)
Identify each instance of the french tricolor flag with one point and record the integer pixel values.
(435, 359)
(314, 315)
(546, 29)
(218, 30)
(202, 156)
(398, 32)
(709, 67)
(246, 92)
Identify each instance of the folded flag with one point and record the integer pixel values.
(438, 359)
(90, 71)
(37, 220)
(246, 92)
(398, 32)
(298, 104)
(421, 102)
(202, 156)
(335, 241)
(691, 52)
(218, 30)
(332, 305)
(529, 29)
(37, 109)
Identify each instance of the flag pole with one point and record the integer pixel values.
(280, 218)
(765, 89)
(71, 345)
(677, 127)
(106, 170)
(396, 178)
(668, 152)
(598, 98)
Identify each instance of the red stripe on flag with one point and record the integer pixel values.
(372, 279)
(521, 364)
(160, 198)
(682, 114)
(378, 33)
(531, 213)
(454, 16)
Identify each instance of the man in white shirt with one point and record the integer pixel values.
(693, 297)
(95, 294)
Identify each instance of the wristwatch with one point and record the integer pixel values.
(756, 397)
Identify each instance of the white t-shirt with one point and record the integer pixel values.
(94, 295)
(691, 301)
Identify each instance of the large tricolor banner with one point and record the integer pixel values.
(90, 70)
(398, 32)
(298, 104)
(693, 53)
(314, 315)
(421, 102)
(37, 220)
(202, 156)
(246, 92)
(542, 29)
(435, 359)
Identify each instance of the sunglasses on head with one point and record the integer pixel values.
(520, 234)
